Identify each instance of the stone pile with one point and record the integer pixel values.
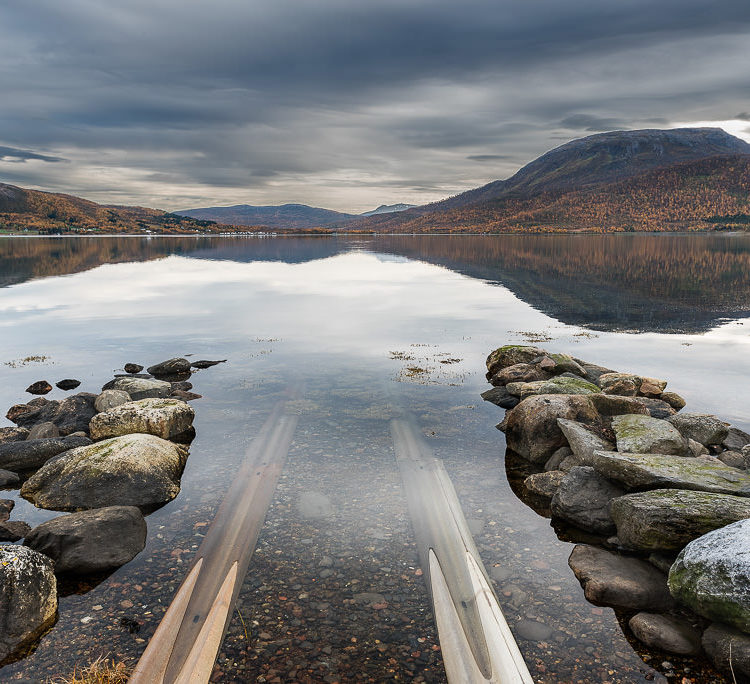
(106, 458)
(666, 492)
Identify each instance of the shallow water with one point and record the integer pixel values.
(356, 326)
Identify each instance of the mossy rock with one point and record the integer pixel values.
(511, 354)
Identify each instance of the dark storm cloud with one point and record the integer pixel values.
(14, 154)
(189, 103)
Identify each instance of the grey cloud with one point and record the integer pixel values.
(589, 122)
(14, 154)
(487, 157)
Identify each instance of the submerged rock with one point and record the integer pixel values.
(666, 633)
(34, 453)
(69, 415)
(712, 575)
(91, 541)
(703, 428)
(28, 597)
(165, 418)
(619, 581)
(133, 470)
(314, 505)
(667, 519)
(583, 497)
(656, 471)
(142, 388)
(646, 435)
(728, 649)
(170, 367)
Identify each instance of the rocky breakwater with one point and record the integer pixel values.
(662, 496)
(107, 459)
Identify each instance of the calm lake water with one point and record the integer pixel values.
(345, 321)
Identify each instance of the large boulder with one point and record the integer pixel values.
(583, 497)
(69, 415)
(531, 428)
(562, 384)
(165, 418)
(132, 470)
(609, 579)
(646, 435)
(712, 575)
(667, 519)
(142, 388)
(518, 372)
(735, 439)
(582, 441)
(170, 367)
(28, 597)
(91, 541)
(729, 650)
(703, 428)
(666, 633)
(511, 354)
(612, 405)
(622, 384)
(34, 453)
(656, 471)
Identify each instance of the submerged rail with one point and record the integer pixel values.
(475, 639)
(186, 643)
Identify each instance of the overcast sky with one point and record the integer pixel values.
(345, 104)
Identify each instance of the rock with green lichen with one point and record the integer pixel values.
(646, 435)
(557, 385)
(656, 471)
(667, 519)
(566, 364)
(712, 575)
(511, 354)
(165, 418)
(132, 470)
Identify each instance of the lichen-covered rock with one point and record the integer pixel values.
(165, 418)
(28, 597)
(132, 470)
(647, 435)
(566, 364)
(656, 471)
(583, 497)
(142, 388)
(667, 519)
(518, 372)
(544, 484)
(621, 384)
(712, 575)
(91, 541)
(531, 428)
(666, 633)
(729, 650)
(69, 415)
(511, 354)
(108, 399)
(34, 453)
(556, 385)
(170, 367)
(582, 441)
(703, 428)
(609, 579)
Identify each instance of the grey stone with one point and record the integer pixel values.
(583, 442)
(165, 418)
(8, 478)
(142, 388)
(735, 439)
(656, 407)
(712, 575)
(43, 431)
(91, 541)
(666, 633)
(133, 470)
(519, 372)
(170, 367)
(703, 428)
(6, 506)
(619, 581)
(500, 397)
(667, 519)
(728, 649)
(28, 597)
(69, 415)
(696, 448)
(557, 385)
(132, 368)
(34, 453)
(645, 435)
(533, 630)
(13, 530)
(544, 484)
(583, 499)
(109, 399)
(661, 560)
(557, 458)
(735, 459)
(656, 471)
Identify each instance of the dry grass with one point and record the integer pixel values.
(103, 670)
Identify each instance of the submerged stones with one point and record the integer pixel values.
(28, 597)
(165, 418)
(134, 470)
(666, 633)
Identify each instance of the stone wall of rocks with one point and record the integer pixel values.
(666, 492)
(106, 458)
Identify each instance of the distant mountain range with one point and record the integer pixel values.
(679, 179)
(285, 216)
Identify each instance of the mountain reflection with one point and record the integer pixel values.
(661, 283)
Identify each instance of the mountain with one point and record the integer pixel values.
(614, 180)
(33, 210)
(293, 216)
(388, 209)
